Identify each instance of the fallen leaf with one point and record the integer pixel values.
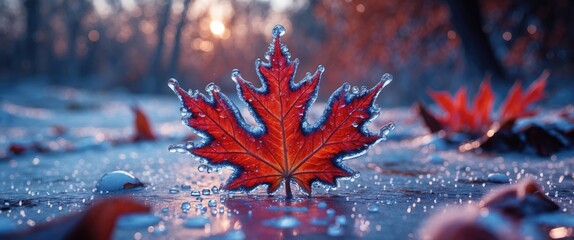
(283, 147)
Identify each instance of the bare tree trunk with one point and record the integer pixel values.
(32, 26)
(466, 18)
(75, 11)
(152, 79)
(173, 63)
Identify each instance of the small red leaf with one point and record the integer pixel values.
(142, 126)
(283, 147)
(475, 121)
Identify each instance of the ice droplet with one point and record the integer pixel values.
(185, 206)
(205, 191)
(215, 190)
(235, 235)
(202, 168)
(346, 87)
(282, 222)
(172, 83)
(195, 193)
(385, 130)
(117, 180)
(212, 203)
(278, 31)
(212, 87)
(498, 178)
(173, 191)
(321, 68)
(335, 230)
(322, 205)
(196, 222)
(138, 220)
(355, 124)
(355, 89)
(373, 208)
(386, 79)
(356, 174)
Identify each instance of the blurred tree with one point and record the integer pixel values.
(155, 74)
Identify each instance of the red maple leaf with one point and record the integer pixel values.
(476, 120)
(283, 147)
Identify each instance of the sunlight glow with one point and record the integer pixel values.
(217, 28)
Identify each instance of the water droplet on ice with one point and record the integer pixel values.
(212, 87)
(196, 222)
(335, 230)
(278, 31)
(205, 191)
(202, 168)
(282, 222)
(356, 174)
(212, 203)
(185, 206)
(235, 235)
(172, 83)
(321, 68)
(136, 221)
(341, 220)
(355, 124)
(215, 190)
(355, 89)
(319, 221)
(373, 208)
(498, 178)
(385, 130)
(173, 191)
(346, 87)
(386, 78)
(199, 206)
(117, 180)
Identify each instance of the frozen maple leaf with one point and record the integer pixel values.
(476, 120)
(283, 147)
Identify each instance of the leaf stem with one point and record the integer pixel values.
(288, 194)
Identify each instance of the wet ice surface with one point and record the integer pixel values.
(403, 180)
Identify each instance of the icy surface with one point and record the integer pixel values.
(403, 180)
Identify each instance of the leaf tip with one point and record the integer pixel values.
(386, 79)
(278, 31)
(172, 83)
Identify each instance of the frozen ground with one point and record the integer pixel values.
(403, 180)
